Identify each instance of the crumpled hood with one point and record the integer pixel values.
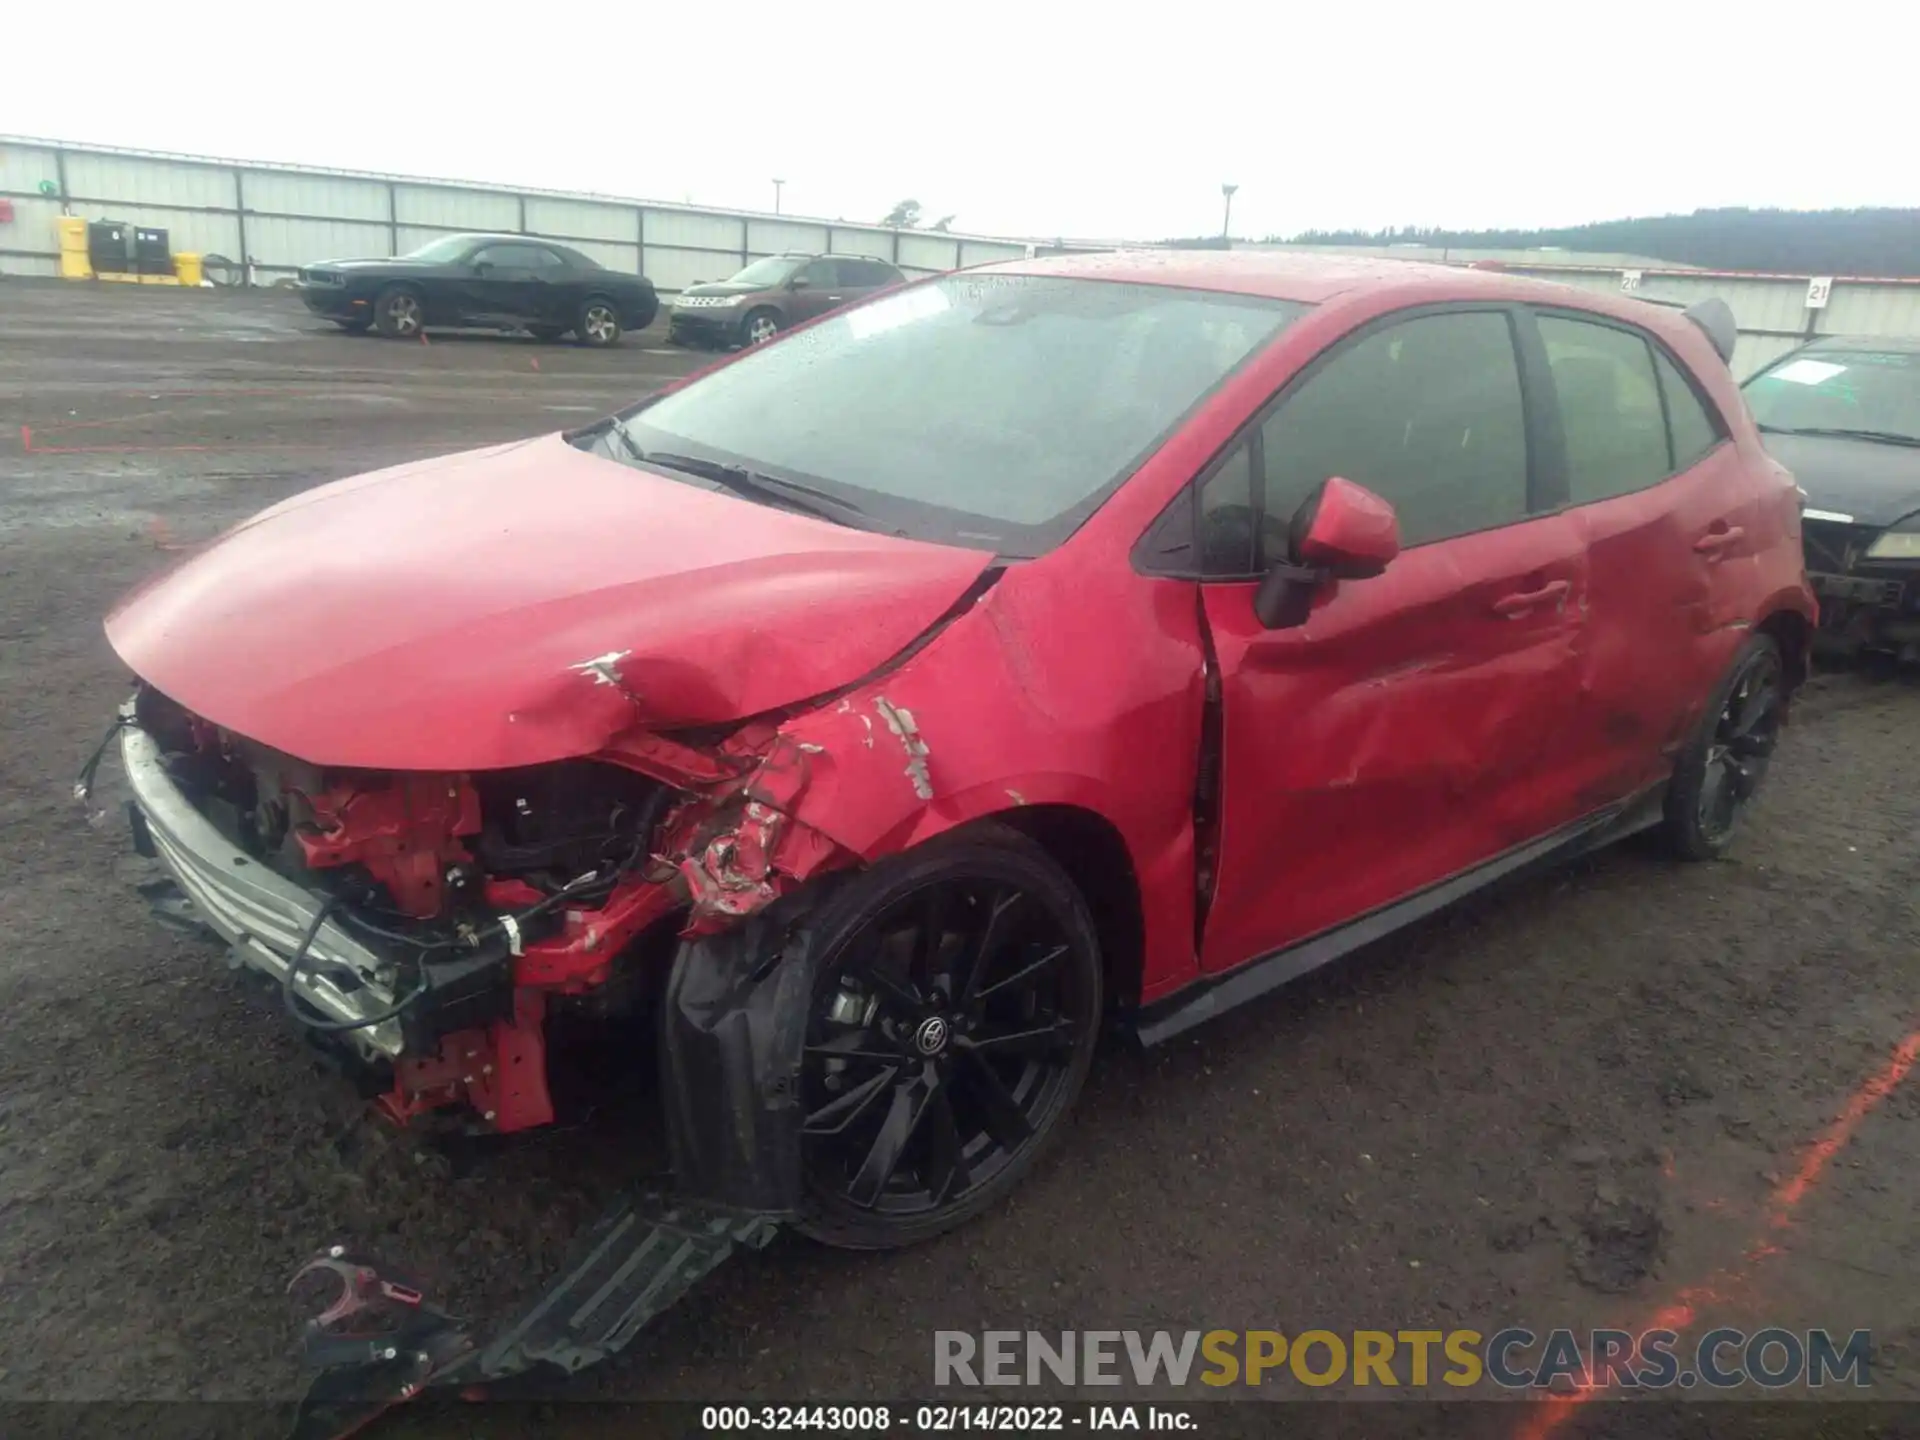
(1875, 483)
(521, 604)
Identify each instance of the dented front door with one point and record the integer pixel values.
(1413, 727)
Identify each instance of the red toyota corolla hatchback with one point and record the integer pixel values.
(870, 716)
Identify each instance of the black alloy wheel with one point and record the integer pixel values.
(1721, 771)
(954, 1020)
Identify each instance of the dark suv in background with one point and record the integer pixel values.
(772, 294)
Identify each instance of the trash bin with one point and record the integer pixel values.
(187, 269)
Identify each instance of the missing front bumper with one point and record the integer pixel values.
(260, 914)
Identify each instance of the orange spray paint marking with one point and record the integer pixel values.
(26, 439)
(1841, 1130)
(536, 364)
(1546, 1415)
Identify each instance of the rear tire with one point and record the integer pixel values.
(399, 314)
(546, 334)
(962, 983)
(1722, 767)
(355, 327)
(599, 324)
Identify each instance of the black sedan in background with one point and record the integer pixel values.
(1843, 414)
(497, 281)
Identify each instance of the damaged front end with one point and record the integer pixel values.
(1867, 580)
(425, 927)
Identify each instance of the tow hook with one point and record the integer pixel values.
(379, 1342)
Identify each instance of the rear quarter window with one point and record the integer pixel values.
(1610, 408)
(1692, 427)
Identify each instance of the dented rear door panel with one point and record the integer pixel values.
(1414, 726)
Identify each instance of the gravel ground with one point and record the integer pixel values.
(1574, 1102)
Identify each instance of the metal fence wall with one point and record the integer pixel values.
(1771, 310)
(276, 218)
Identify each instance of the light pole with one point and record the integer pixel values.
(1226, 220)
(776, 195)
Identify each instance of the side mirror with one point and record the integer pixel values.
(799, 282)
(1342, 531)
(483, 267)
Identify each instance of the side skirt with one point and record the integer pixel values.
(1216, 995)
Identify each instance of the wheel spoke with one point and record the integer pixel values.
(929, 938)
(947, 1172)
(902, 1000)
(853, 1051)
(1006, 1122)
(904, 1113)
(1740, 780)
(1752, 712)
(1031, 1042)
(838, 1113)
(993, 938)
(1024, 976)
(1718, 801)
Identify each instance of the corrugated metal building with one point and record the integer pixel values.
(276, 218)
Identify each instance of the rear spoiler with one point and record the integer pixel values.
(1715, 319)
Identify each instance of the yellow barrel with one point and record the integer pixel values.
(73, 234)
(187, 269)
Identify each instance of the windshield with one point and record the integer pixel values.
(447, 247)
(1840, 390)
(992, 411)
(771, 271)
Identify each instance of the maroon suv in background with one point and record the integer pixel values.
(773, 294)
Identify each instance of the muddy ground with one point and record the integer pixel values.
(1575, 1102)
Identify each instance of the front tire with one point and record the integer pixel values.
(355, 327)
(955, 1016)
(398, 313)
(1721, 769)
(599, 324)
(759, 327)
(546, 334)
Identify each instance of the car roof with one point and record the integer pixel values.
(1316, 278)
(1307, 277)
(827, 255)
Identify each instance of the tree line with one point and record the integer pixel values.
(1802, 242)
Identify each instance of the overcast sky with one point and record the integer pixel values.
(1100, 121)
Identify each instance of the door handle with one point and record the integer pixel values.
(1514, 605)
(1714, 541)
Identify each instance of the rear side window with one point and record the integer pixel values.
(1692, 429)
(1425, 413)
(1609, 407)
(865, 273)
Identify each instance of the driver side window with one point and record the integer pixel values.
(1425, 413)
